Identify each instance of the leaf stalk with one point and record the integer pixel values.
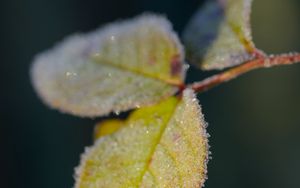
(260, 62)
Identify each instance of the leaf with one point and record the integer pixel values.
(158, 146)
(118, 67)
(107, 127)
(219, 35)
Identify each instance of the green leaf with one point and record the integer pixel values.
(121, 66)
(219, 35)
(158, 146)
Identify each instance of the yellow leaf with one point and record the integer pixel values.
(118, 67)
(158, 146)
(219, 35)
(107, 127)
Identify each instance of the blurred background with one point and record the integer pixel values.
(254, 121)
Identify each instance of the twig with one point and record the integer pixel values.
(261, 62)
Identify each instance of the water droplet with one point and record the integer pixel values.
(70, 75)
(112, 38)
(267, 62)
(186, 67)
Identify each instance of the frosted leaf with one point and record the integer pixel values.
(159, 146)
(219, 35)
(115, 68)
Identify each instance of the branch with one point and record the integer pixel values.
(261, 62)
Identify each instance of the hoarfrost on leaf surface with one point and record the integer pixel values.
(164, 145)
(115, 68)
(219, 35)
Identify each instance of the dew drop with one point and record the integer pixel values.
(267, 62)
(112, 38)
(207, 135)
(292, 53)
(186, 67)
(70, 75)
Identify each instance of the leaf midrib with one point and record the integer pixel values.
(157, 142)
(144, 74)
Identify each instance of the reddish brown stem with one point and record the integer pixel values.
(262, 62)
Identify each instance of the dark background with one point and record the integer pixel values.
(254, 121)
